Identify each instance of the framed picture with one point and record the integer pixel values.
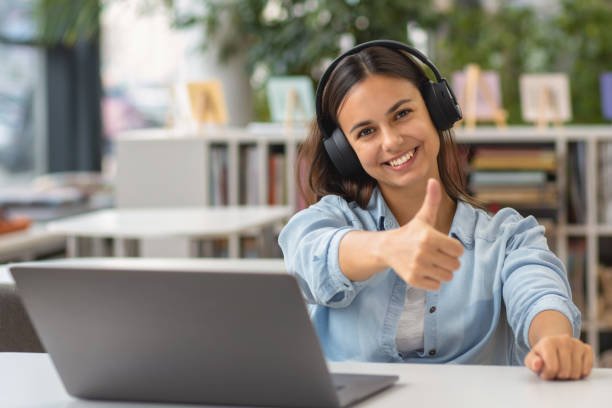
(207, 101)
(291, 98)
(545, 98)
(478, 94)
(605, 82)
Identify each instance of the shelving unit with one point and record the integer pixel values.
(146, 154)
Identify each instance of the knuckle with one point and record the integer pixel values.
(564, 373)
(420, 256)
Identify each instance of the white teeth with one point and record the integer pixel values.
(402, 159)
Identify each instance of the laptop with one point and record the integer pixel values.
(211, 331)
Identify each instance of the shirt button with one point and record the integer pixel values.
(432, 352)
(432, 309)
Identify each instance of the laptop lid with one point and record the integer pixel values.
(202, 332)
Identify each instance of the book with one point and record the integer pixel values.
(507, 177)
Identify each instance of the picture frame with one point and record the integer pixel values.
(478, 93)
(545, 98)
(290, 98)
(207, 102)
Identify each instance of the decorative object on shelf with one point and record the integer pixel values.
(14, 224)
(207, 102)
(545, 98)
(479, 95)
(291, 99)
(605, 84)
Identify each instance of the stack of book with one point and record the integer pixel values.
(518, 177)
(576, 179)
(249, 175)
(277, 192)
(605, 186)
(218, 176)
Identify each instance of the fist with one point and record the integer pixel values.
(560, 357)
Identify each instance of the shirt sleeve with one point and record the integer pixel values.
(534, 280)
(310, 243)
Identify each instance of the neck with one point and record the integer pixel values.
(405, 205)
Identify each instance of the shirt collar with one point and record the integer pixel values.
(462, 227)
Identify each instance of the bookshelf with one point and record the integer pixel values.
(176, 160)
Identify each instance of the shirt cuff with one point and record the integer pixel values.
(558, 303)
(339, 279)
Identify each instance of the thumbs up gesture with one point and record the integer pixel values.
(423, 256)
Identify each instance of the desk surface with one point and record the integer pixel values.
(29, 380)
(195, 222)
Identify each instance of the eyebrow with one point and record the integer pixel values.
(391, 109)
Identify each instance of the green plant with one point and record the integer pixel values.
(293, 36)
(301, 35)
(586, 52)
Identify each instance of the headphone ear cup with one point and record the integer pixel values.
(342, 154)
(441, 104)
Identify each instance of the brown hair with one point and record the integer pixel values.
(322, 176)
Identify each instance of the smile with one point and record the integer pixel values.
(403, 159)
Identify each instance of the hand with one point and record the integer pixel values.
(423, 256)
(560, 357)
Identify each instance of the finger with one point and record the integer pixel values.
(577, 361)
(446, 262)
(427, 284)
(438, 274)
(429, 210)
(443, 243)
(564, 355)
(534, 362)
(548, 352)
(587, 361)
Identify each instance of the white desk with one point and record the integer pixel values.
(194, 223)
(26, 244)
(30, 380)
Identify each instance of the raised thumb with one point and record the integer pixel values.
(429, 210)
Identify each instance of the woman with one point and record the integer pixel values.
(395, 259)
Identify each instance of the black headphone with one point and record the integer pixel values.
(438, 96)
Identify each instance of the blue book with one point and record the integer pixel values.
(606, 94)
(507, 177)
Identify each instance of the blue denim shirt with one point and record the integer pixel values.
(482, 316)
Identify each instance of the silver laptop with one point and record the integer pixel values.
(207, 331)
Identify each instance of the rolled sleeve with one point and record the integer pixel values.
(534, 280)
(310, 243)
(559, 304)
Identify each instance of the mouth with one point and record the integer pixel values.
(402, 161)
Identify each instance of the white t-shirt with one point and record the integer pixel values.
(410, 329)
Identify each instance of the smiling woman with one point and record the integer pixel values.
(393, 250)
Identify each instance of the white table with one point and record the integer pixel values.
(193, 223)
(26, 244)
(30, 381)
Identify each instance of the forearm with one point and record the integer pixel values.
(360, 255)
(548, 323)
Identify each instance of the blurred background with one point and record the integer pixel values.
(74, 73)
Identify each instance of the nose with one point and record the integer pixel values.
(392, 140)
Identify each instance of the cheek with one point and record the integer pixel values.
(366, 156)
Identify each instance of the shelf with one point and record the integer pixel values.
(184, 176)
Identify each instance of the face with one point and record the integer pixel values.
(387, 123)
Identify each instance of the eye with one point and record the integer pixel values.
(365, 132)
(402, 113)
